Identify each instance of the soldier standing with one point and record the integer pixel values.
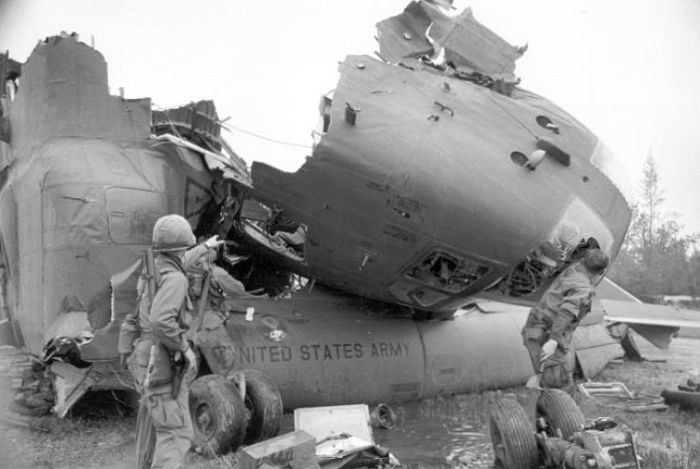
(162, 345)
(549, 328)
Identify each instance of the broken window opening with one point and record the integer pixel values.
(447, 272)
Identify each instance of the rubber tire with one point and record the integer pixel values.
(510, 429)
(560, 412)
(264, 402)
(215, 400)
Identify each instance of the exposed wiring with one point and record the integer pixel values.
(229, 128)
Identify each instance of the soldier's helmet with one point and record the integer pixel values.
(596, 261)
(172, 233)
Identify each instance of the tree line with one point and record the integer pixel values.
(656, 258)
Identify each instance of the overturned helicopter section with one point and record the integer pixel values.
(434, 179)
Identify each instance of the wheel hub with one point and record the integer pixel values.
(205, 420)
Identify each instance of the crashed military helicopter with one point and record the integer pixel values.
(434, 181)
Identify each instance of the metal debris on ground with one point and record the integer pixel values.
(349, 451)
(344, 434)
(331, 421)
(687, 396)
(295, 449)
(383, 416)
(617, 395)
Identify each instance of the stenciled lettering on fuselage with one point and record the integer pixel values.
(319, 352)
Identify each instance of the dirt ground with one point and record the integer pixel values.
(448, 432)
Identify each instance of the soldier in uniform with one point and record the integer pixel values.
(550, 326)
(212, 338)
(162, 343)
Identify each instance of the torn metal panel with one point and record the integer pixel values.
(197, 127)
(123, 285)
(196, 121)
(593, 360)
(402, 38)
(470, 44)
(233, 169)
(70, 384)
(293, 450)
(71, 324)
(594, 345)
(328, 422)
(70, 98)
(423, 29)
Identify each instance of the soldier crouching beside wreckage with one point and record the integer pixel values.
(550, 326)
(161, 359)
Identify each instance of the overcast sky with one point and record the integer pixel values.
(629, 70)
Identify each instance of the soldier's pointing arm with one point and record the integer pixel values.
(165, 311)
(229, 285)
(193, 255)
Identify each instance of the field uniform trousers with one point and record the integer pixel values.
(164, 427)
(556, 371)
(169, 421)
(145, 438)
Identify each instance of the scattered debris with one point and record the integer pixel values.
(344, 435)
(383, 417)
(332, 421)
(349, 451)
(617, 395)
(615, 389)
(295, 449)
(687, 396)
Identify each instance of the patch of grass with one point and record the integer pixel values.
(94, 436)
(664, 440)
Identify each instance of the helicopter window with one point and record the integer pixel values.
(447, 272)
(131, 214)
